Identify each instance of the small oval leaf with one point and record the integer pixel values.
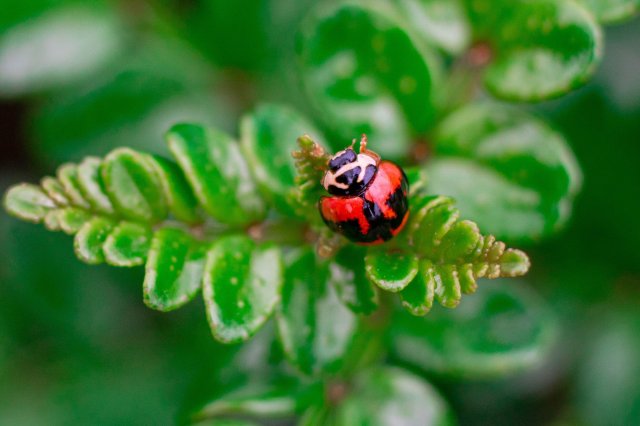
(127, 245)
(71, 219)
(90, 238)
(28, 202)
(417, 298)
(68, 177)
(92, 185)
(242, 284)
(180, 199)
(54, 190)
(174, 269)
(217, 172)
(391, 271)
(133, 186)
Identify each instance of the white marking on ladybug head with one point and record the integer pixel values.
(362, 161)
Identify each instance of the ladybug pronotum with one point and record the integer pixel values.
(368, 202)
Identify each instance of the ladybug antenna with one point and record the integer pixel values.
(363, 143)
(364, 150)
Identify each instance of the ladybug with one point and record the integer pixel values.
(368, 202)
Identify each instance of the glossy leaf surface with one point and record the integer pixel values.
(499, 330)
(92, 185)
(269, 136)
(542, 49)
(444, 257)
(28, 202)
(507, 170)
(174, 269)
(347, 275)
(365, 73)
(133, 186)
(68, 177)
(391, 273)
(181, 202)
(242, 284)
(217, 172)
(315, 328)
(90, 238)
(442, 23)
(391, 396)
(127, 245)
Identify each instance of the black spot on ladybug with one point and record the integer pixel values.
(380, 226)
(350, 179)
(348, 156)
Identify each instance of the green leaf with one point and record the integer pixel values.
(269, 136)
(90, 238)
(71, 219)
(54, 190)
(127, 245)
(450, 255)
(217, 172)
(311, 161)
(364, 72)
(442, 23)
(391, 273)
(347, 276)
(92, 185)
(417, 180)
(612, 11)
(263, 402)
(542, 49)
(28, 202)
(391, 396)
(87, 37)
(68, 177)
(51, 220)
(180, 199)
(241, 286)
(174, 269)
(501, 329)
(507, 171)
(315, 328)
(133, 186)
(418, 297)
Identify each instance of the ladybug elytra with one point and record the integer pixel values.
(368, 202)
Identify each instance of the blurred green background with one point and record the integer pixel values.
(77, 346)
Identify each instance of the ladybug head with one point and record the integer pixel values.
(349, 173)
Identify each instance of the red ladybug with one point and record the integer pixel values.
(368, 202)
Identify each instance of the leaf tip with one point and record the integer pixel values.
(514, 263)
(27, 202)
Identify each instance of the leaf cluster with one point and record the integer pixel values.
(236, 218)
